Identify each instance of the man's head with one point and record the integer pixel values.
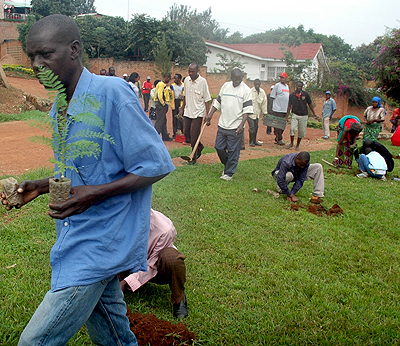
(166, 77)
(134, 77)
(178, 78)
(193, 71)
(103, 72)
(328, 95)
(299, 86)
(283, 77)
(126, 77)
(148, 78)
(302, 159)
(54, 42)
(236, 77)
(111, 71)
(257, 84)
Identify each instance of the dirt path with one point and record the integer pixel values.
(18, 154)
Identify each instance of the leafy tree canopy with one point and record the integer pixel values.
(387, 65)
(103, 37)
(67, 7)
(196, 22)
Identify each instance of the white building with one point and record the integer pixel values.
(265, 60)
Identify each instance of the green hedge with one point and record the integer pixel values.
(19, 68)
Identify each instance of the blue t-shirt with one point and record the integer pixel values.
(111, 236)
(329, 107)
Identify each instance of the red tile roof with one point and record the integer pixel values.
(274, 50)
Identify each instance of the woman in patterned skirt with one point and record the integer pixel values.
(348, 129)
(374, 115)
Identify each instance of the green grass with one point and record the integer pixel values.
(25, 116)
(258, 273)
(186, 150)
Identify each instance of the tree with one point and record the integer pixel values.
(103, 37)
(23, 30)
(142, 30)
(162, 55)
(228, 63)
(200, 23)
(387, 65)
(345, 79)
(297, 71)
(67, 7)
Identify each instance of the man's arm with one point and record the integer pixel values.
(240, 128)
(84, 196)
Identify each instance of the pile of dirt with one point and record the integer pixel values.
(318, 209)
(14, 101)
(149, 330)
(11, 100)
(396, 157)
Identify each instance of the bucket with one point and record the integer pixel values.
(179, 138)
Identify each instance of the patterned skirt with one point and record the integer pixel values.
(345, 154)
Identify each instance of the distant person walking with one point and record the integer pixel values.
(163, 98)
(196, 104)
(259, 108)
(280, 95)
(328, 110)
(235, 102)
(270, 102)
(298, 102)
(146, 89)
(178, 87)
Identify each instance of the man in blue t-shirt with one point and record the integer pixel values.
(102, 229)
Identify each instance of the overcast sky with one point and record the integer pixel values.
(355, 21)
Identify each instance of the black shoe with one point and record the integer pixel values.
(169, 139)
(252, 144)
(180, 310)
(198, 155)
(193, 162)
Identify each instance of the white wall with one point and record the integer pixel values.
(252, 67)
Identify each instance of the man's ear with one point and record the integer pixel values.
(75, 49)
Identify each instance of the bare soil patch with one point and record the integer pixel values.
(149, 330)
(19, 154)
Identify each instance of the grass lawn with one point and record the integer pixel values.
(258, 273)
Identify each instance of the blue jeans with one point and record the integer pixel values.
(363, 164)
(62, 313)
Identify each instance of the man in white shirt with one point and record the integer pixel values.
(259, 108)
(235, 102)
(196, 103)
(280, 95)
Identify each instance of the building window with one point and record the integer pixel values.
(271, 72)
(274, 72)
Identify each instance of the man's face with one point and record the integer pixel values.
(328, 96)
(111, 71)
(300, 163)
(299, 87)
(193, 72)
(236, 77)
(45, 50)
(167, 79)
(177, 80)
(283, 79)
(257, 85)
